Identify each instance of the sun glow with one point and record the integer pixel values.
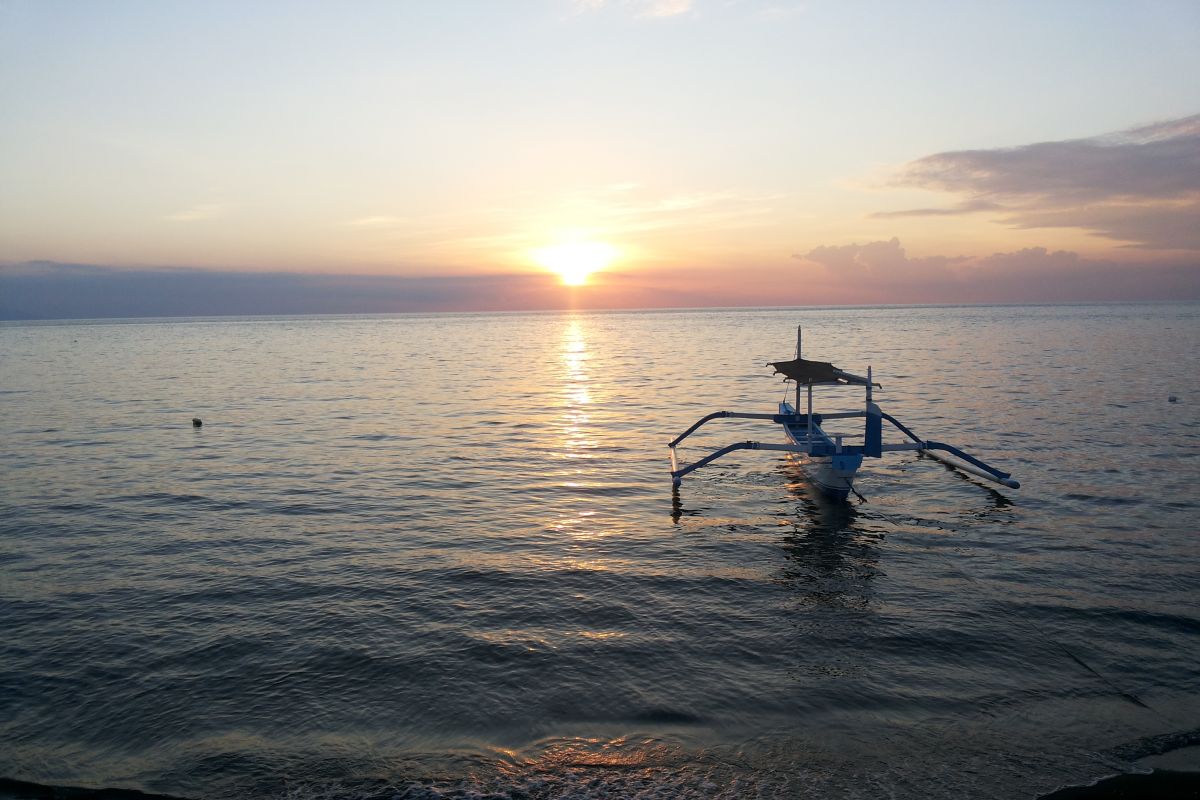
(575, 261)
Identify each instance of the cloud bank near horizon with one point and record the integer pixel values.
(1140, 186)
(879, 272)
(49, 290)
(1029, 275)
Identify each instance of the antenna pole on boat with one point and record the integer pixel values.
(810, 419)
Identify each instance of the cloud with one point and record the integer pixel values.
(199, 212)
(882, 272)
(778, 11)
(48, 290)
(634, 209)
(663, 8)
(1140, 186)
(376, 222)
(875, 258)
(639, 8)
(968, 207)
(1147, 226)
(875, 272)
(773, 10)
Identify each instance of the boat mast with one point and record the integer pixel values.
(799, 351)
(799, 338)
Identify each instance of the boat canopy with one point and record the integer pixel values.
(802, 370)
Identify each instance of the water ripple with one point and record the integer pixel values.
(345, 584)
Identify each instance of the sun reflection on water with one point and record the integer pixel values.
(575, 356)
(577, 433)
(577, 438)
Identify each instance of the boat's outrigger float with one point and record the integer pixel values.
(830, 464)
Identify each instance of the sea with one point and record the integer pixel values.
(440, 556)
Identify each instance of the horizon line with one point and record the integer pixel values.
(16, 321)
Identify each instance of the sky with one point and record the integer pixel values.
(218, 157)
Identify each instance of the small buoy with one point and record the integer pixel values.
(196, 422)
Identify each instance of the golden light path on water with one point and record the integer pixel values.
(577, 438)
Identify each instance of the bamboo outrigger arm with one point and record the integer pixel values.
(973, 465)
(780, 418)
(678, 472)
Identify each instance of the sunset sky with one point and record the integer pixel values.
(407, 156)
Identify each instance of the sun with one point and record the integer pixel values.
(575, 261)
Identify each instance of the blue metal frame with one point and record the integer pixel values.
(846, 457)
(970, 459)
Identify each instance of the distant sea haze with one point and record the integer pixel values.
(436, 556)
(49, 290)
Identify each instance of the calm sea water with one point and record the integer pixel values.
(420, 556)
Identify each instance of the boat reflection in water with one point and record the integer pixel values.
(833, 550)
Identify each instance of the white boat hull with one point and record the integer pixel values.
(833, 474)
(827, 476)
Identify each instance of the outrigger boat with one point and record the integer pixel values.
(830, 464)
